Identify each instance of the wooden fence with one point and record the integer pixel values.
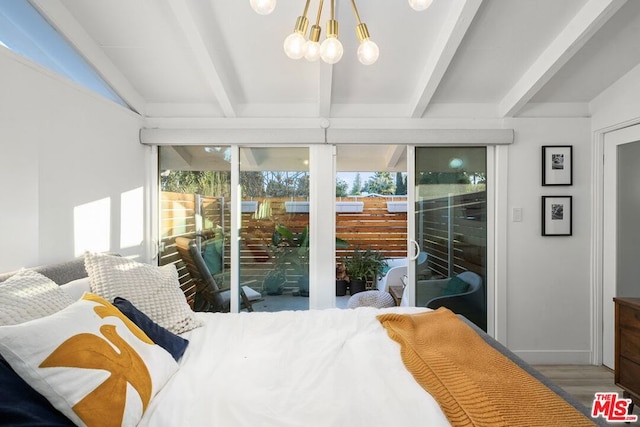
(454, 244)
(453, 231)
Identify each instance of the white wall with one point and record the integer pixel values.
(62, 147)
(548, 278)
(619, 104)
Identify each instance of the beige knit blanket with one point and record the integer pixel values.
(474, 384)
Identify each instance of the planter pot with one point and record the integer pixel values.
(357, 285)
(247, 206)
(344, 207)
(341, 288)
(273, 284)
(396, 206)
(303, 286)
(296, 207)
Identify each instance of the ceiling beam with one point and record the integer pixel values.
(453, 30)
(248, 158)
(593, 15)
(184, 154)
(202, 55)
(394, 154)
(60, 17)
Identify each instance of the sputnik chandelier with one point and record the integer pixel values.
(296, 45)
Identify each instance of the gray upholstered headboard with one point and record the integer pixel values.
(61, 272)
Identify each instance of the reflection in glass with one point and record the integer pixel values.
(451, 227)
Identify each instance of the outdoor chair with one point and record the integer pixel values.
(209, 296)
(392, 278)
(462, 294)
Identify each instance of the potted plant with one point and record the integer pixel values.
(364, 266)
(342, 280)
(291, 251)
(273, 282)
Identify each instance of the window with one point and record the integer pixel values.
(26, 32)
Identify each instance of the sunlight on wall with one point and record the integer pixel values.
(92, 226)
(132, 218)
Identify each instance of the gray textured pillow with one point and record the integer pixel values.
(29, 295)
(153, 290)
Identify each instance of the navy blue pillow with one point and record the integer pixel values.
(22, 406)
(171, 342)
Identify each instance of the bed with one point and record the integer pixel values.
(400, 366)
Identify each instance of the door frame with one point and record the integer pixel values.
(496, 262)
(602, 257)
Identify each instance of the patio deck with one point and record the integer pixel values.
(288, 301)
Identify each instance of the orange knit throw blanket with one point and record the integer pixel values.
(474, 384)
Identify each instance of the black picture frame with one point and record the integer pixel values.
(557, 215)
(557, 165)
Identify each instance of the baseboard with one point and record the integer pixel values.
(555, 357)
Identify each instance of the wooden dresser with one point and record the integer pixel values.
(627, 351)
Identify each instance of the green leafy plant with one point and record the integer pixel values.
(290, 250)
(366, 265)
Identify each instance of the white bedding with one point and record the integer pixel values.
(295, 368)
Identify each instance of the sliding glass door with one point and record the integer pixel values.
(274, 226)
(450, 185)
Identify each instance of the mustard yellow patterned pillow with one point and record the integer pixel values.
(91, 362)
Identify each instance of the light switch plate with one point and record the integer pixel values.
(516, 214)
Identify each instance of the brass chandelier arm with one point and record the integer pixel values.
(361, 29)
(332, 24)
(316, 29)
(355, 11)
(302, 23)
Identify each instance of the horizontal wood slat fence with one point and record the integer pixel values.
(453, 231)
(375, 227)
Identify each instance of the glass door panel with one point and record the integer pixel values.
(274, 223)
(371, 217)
(451, 229)
(195, 184)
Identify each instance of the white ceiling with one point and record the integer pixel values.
(217, 59)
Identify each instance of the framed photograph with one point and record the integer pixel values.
(557, 215)
(557, 165)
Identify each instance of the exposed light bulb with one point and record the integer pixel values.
(263, 7)
(456, 163)
(368, 52)
(420, 4)
(312, 51)
(294, 45)
(331, 50)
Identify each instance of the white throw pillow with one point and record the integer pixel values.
(153, 290)
(76, 288)
(29, 295)
(92, 363)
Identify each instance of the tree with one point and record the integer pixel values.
(252, 184)
(341, 187)
(401, 183)
(286, 184)
(207, 183)
(356, 187)
(380, 183)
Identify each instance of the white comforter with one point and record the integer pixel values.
(294, 368)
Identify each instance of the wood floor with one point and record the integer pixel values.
(583, 381)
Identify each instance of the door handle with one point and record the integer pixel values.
(414, 256)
